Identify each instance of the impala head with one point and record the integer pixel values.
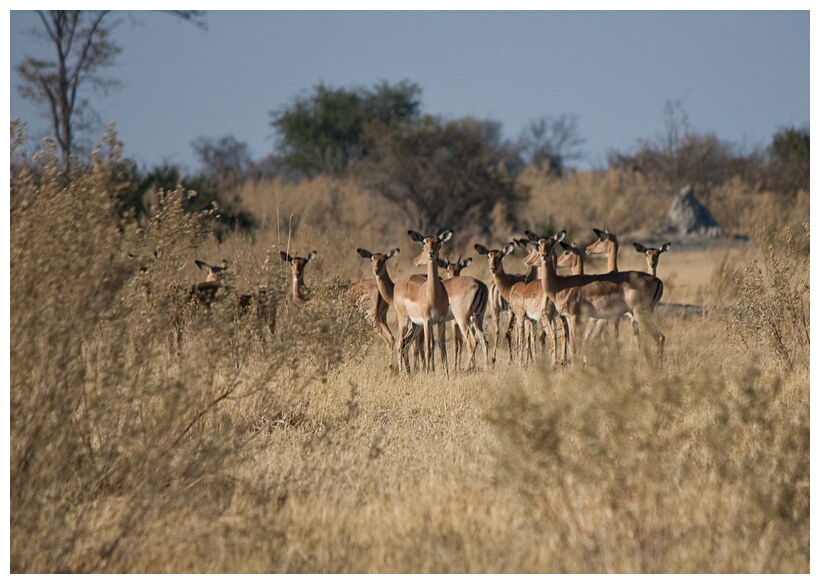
(603, 244)
(214, 273)
(430, 245)
(378, 260)
(652, 255)
(297, 264)
(454, 268)
(543, 247)
(495, 256)
(571, 257)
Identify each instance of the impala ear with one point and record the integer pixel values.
(639, 247)
(665, 247)
(601, 235)
(415, 235)
(202, 265)
(442, 264)
(364, 253)
(481, 249)
(285, 257)
(445, 235)
(561, 235)
(465, 262)
(393, 252)
(310, 256)
(508, 249)
(531, 235)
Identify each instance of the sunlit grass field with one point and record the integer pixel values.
(306, 451)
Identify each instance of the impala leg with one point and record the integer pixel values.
(647, 322)
(463, 328)
(549, 329)
(573, 322)
(508, 335)
(564, 339)
(442, 348)
(458, 341)
(477, 327)
(402, 343)
(429, 364)
(384, 332)
(495, 317)
(520, 325)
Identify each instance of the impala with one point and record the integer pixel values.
(600, 296)
(469, 295)
(384, 288)
(297, 265)
(424, 301)
(213, 273)
(526, 299)
(498, 305)
(572, 258)
(607, 244)
(652, 255)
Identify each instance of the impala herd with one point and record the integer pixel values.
(564, 311)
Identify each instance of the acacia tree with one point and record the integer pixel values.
(324, 132)
(442, 173)
(553, 142)
(84, 48)
(224, 160)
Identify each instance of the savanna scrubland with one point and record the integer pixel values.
(305, 450)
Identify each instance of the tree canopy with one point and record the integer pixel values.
(323, 132)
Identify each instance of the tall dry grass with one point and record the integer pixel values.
(303, 451)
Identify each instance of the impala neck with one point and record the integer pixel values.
(612, 257)
(578, 267)
(433, 290)
(385, 285)
(298, 288)
(549, 277)
(503, 281)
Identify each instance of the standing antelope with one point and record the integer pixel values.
(498, 305)
(601, 296)
(297, 265)
(384, 288)
(423, 301)
(526, 299)
(470, 294)
(652, 255)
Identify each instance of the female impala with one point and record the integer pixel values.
(297, 265)
(498, 305)
(526, 299)
(600, 296)
(384, 289)
(652, 255)
(468, 303)
(424, 301)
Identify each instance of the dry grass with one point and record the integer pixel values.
(305, 452)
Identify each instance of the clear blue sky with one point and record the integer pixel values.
(740, 75)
